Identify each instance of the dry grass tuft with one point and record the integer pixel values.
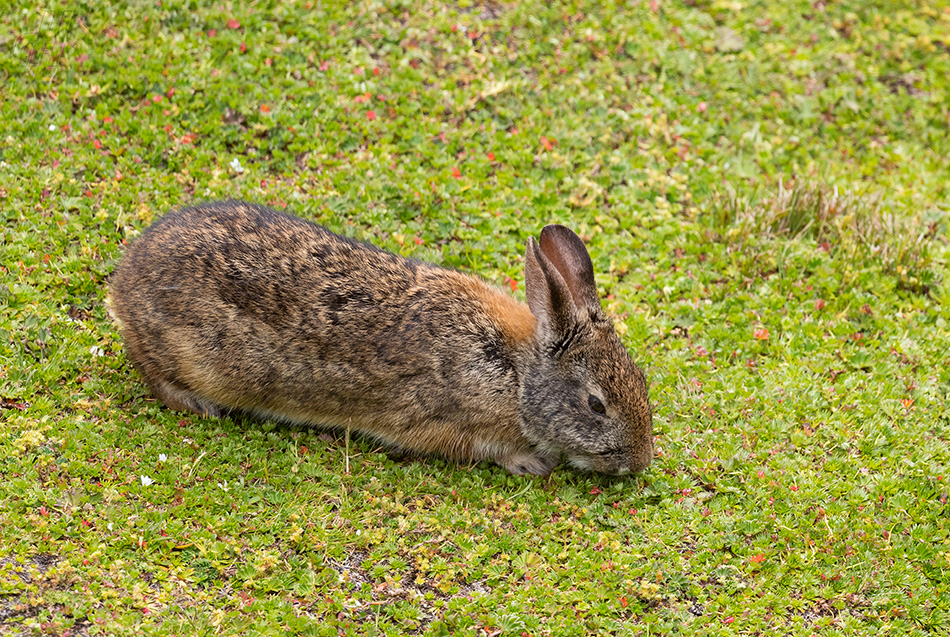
(857, 225)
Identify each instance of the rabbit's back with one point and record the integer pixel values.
(237, 306)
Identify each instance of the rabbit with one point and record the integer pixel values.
(231, 306)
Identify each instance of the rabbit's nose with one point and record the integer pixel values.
(641, 461)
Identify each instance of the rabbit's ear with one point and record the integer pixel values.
(549, 295)
(566, 252)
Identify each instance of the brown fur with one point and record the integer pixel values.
(513, 319)
(234, 306)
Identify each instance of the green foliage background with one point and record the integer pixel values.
(800, 377)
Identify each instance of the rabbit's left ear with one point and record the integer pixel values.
(559, 281)
(567, 253)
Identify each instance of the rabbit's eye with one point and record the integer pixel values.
(596, 405)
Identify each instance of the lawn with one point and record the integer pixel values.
(764, 188)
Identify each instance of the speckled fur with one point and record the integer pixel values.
(233, 306)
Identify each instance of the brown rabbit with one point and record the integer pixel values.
(234, 306)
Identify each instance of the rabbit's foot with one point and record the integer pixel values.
(534, 463)
(181, 399)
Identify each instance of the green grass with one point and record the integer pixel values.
(764, 188)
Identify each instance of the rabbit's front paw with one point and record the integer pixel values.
(534, 463)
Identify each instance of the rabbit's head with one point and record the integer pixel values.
(583, 398)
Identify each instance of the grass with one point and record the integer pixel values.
(861, 226)
(764, 191)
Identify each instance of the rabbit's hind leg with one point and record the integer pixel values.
(181, 399)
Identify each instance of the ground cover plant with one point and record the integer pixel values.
(764, 190)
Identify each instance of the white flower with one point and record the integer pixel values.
(97, 351)
(224, 486)
(52, 127)
(236, 165)
(162, 457)
(146, 481)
